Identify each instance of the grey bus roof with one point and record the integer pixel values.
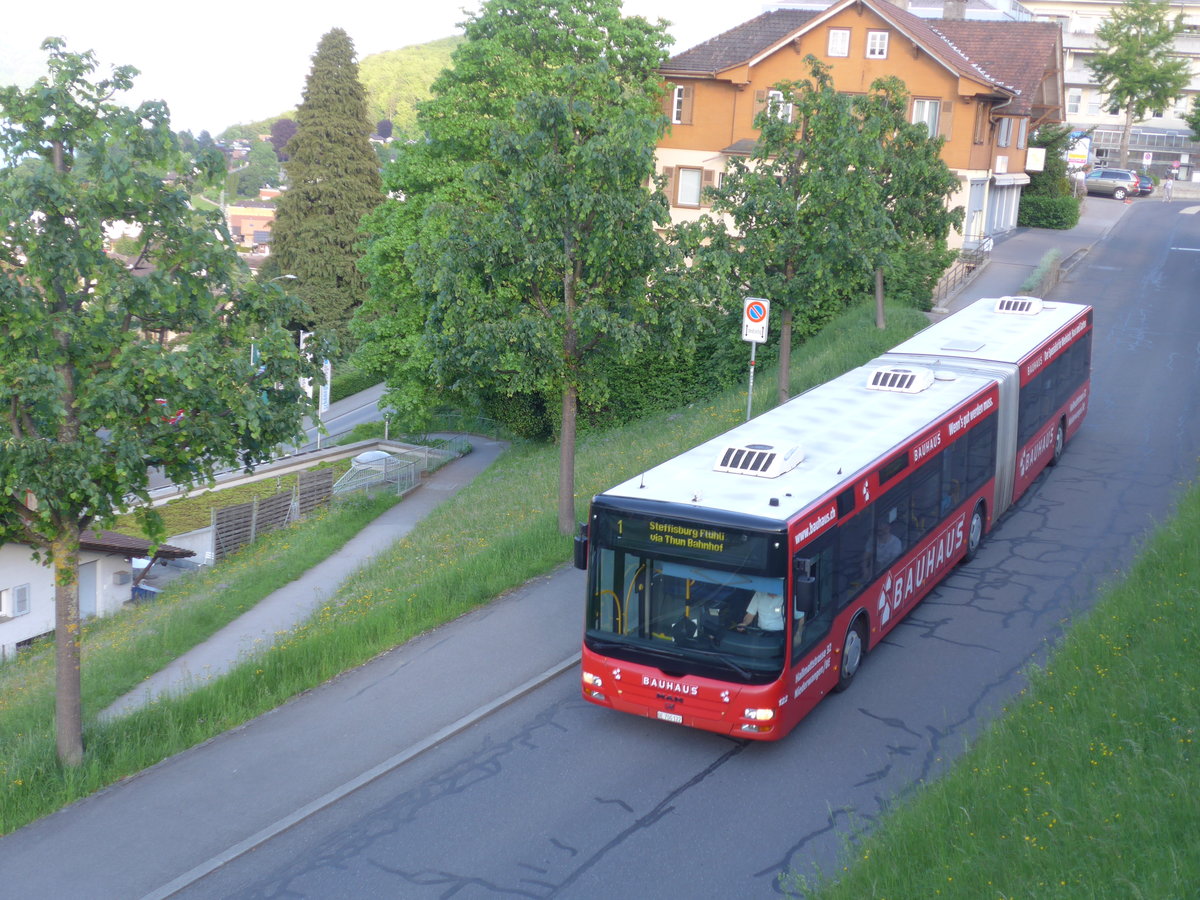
(979, 331)
(840, 428)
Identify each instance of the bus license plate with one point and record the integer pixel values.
(670, 717)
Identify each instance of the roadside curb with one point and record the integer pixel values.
(331, 797)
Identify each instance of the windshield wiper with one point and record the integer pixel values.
(724, 660)
(673, 655)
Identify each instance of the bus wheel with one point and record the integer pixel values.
(974, 533)
(1060, 441)
(853, 652)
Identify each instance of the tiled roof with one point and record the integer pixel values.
(739, 44)
(112, 542)
(1014, 54)
(1011, 56)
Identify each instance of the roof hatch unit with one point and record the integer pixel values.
(1021, 306)
(900, 380)
(762, 460)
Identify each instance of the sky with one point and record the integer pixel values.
(221, 65)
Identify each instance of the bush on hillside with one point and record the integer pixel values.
(348, 380)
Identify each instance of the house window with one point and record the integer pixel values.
(1094, 105)
(687, 186)
(1074, 100)
(779, 109)
(681, 105)
(927, 111)
(877, 43)
(1022, 130)
(839, 42)
(14, 601)
(1004, 132)
(677, 104)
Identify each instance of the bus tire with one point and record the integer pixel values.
(974, 532)
(854, 649)
(1060, 442)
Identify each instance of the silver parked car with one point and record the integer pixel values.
(1116, 183)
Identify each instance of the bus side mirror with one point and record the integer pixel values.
(581, 547)
(804, 587)
(804, 596)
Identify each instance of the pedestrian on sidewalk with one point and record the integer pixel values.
(1168, 182)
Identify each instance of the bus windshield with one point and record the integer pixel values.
(686, 618)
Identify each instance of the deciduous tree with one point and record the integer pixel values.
(526, 239)
(333, 181)
(800, 221)
(91, 353)
(1135, 64)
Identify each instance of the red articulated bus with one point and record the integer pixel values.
(734, 586)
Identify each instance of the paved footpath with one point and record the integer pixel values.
(289, 606)
(164, 828)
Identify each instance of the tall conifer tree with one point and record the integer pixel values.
(333, 181)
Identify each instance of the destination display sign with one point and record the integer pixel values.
(728, 547)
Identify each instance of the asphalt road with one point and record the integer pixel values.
(547, 796)
(551, 797)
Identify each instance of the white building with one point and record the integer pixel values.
(1164, 135)
(106, 577)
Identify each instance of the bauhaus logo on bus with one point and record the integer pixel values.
(1031, 454)
(927, 446)
(901, 586)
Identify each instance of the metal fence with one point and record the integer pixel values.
(402, 469)
(963, 269)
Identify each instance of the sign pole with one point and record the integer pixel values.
(755, 313)
(750, 392)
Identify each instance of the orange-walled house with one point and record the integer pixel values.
(983, 85)
(250, 221)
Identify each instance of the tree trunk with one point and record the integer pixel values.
(785, 355)
(880, 321)
(570, 394)
(1125, 136)
(68, 708)
(566, 462)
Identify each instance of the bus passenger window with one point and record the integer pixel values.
(954, 475)
(853, 538)
(927, 501)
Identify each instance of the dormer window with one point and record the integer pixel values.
(877, 44)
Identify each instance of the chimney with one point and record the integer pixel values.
(954, 10)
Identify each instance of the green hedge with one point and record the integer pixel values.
(348, 380)
(1048, 212)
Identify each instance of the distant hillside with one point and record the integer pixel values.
(395, 81)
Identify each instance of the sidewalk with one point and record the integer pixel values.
(1016, 254)
(287, 607)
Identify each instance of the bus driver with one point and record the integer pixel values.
(769, 610)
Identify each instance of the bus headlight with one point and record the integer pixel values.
(759, 715)
(591, 686)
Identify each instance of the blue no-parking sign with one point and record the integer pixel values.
(755, 313)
